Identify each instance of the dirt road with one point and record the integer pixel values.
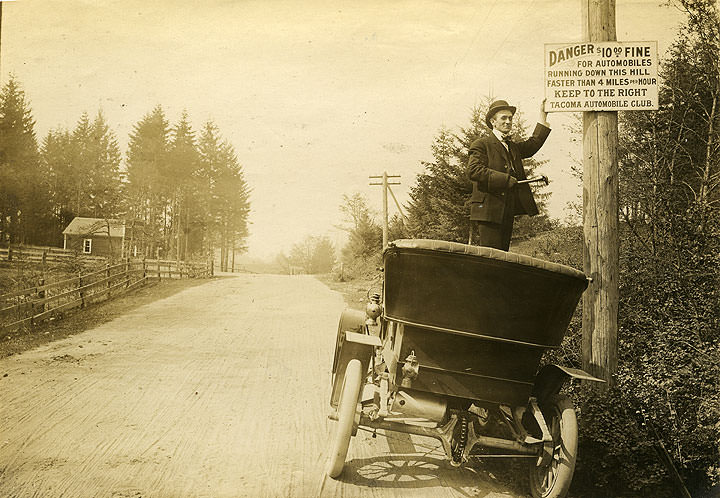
(218, 391)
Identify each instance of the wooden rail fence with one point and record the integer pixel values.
(161, 268)
(38, 254)
(33, 305)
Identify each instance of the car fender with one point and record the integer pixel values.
(551, 378)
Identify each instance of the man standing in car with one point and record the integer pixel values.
(494, 167)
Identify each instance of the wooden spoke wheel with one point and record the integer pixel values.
(349, 396)
(552, 480)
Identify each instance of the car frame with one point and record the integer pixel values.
(452, 350)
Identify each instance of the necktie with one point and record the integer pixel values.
(510, 165)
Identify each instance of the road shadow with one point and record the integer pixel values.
(418, 470)
(418, 463)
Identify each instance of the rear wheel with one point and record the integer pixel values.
(553, 479)
(352, 383)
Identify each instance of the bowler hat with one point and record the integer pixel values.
(496, 106)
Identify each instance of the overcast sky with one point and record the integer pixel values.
(315, 96)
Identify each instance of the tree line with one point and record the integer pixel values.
(182, 192)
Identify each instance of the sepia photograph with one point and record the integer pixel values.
(378, 248)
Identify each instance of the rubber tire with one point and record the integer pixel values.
(349, 396)
(561, 420)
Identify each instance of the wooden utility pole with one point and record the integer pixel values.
(600, 215)
(0, 39)
(385, 184)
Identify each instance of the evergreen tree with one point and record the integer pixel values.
(82, 159)
(228, 204)
(92, 179)
(209, 145)
(438, 201)
(23, 189)
(57, 160)
(183, 168)
(145, 191)
(104, 169)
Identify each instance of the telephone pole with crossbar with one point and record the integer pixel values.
(386, 186)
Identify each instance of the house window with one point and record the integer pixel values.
(87, 246)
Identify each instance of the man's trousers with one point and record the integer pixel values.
(498, 235)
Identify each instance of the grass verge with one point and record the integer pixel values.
(354, 291)
(81, 320)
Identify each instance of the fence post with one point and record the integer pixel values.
(127, 272)
(158, 264)
(41, 293)
(107, 275)
(33, 306)
(144, 271)
(80, 291)
(10, 253)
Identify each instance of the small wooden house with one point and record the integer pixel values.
(99, 237)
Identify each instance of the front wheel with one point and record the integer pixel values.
(553, 480)
(352, 383)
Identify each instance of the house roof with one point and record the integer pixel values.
(94, 226)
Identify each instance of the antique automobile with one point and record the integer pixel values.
(451, 350)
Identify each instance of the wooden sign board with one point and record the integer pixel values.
(601, 76)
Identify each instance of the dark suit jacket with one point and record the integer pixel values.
(489, 169)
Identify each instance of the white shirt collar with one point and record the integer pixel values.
(500, 137)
